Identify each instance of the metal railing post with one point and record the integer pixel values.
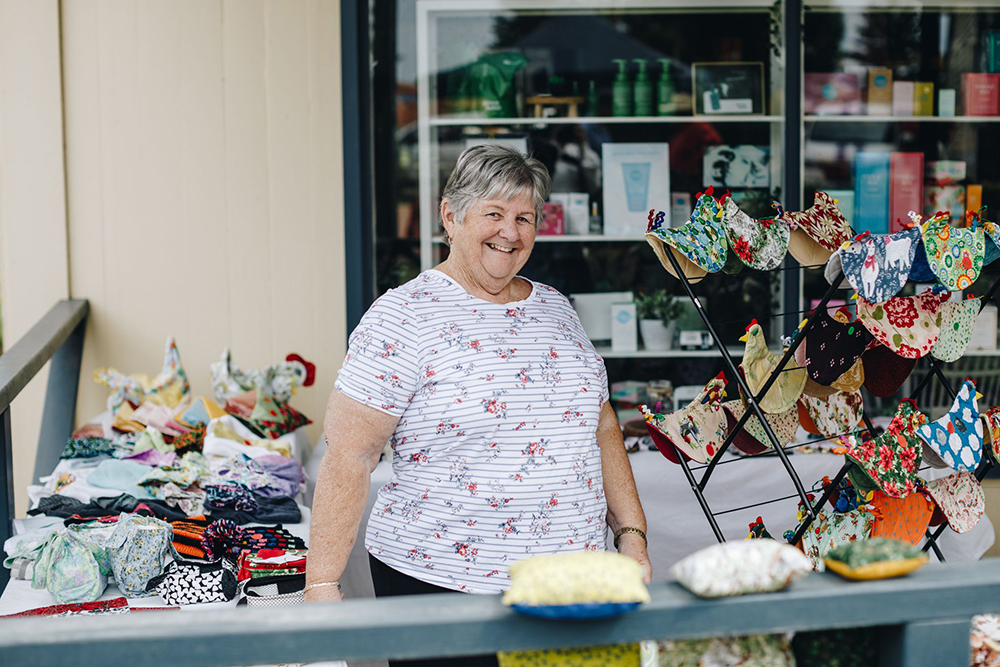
(59, 413)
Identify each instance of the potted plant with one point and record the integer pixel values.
(657, 311)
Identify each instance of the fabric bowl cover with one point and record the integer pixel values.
(852, 380)
(958, 320)
(891, 460)
(832, 529)
(838, 413)
(957, 437)
(885, 371)
(907, 325)
(833, 346)
(960, 501)
(991, 419)
(954, 254)
(697, 430)
(877, 266)
(817, 232)
(699, 246)
(760, 244)
(904, 519)
(758, 364)
(752, 439)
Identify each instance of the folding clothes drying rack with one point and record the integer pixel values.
(753, 403)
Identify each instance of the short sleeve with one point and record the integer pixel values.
(380, 369)
(603, 377)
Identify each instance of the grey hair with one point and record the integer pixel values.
(495, 171)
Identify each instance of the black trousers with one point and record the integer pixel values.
(388, 582)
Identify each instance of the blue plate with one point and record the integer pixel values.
(585, 611)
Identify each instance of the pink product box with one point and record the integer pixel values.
(949, 198)
(944, 172)
(553, 220)
(832, 94)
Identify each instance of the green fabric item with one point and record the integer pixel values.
(874, 550)
(151, 439)
(87, 448)
(850, 647)
(955, 255)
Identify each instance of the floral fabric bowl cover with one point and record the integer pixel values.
(960, 501)
(818, 231)
(697, 430)
(760, 244)
(891, 460)
(907, 325)
(699, 246)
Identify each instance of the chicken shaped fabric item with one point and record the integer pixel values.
(760, 244)
(277, 380)
(817, 232)
(752, 438)
(992, 232)
(758, 364)
(697, 431)
(838, 413)
(877, 266)
(907, 325)
(958, 320)
(699, 246)
(960, 501)
(168, 388)
(991, 419)
(955, 255)
(904, 519)
(885, 371)
(957, 437)
(833, 345)
(891, 460)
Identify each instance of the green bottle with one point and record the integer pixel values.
(621, 90)
(665, 91)
(642, 88)
(593, 103)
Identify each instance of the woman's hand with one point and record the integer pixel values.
(324, 594)
(633, 546)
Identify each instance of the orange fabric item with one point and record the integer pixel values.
(806, 421)
(905, 519)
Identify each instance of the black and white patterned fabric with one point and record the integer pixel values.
(276, 591)
(191, 582)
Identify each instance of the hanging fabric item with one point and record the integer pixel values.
(699, 246)
(992, 233)
(877, 266)
(697, 431)
(752, 439)
(954, 254)
(907, 325)
(852, 380)
(277, 380)
(957, 437)
(167, 388)
(958, 320)
(904, 519)
(991, 421)
(832, 529)
(960, 501)
(885, 371)
(817, 232)
(891, 460)
(838, 413)
(760, 244)
(833, 345)
(757, 366)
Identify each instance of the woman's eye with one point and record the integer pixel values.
(524, 220)
(494, 214)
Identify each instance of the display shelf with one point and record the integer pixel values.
(575, 238)
(608, 353)
(450, 121)
(901, 119)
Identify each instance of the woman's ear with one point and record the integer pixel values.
(447, 217)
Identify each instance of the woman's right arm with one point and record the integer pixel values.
(355, 437)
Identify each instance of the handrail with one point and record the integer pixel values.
(927, 613)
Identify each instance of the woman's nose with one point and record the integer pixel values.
(508, 228)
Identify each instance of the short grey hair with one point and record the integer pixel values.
(495, 171)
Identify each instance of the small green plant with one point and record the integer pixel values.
(657, 305)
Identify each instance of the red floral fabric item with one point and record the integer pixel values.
(907, 325)
(891, 460)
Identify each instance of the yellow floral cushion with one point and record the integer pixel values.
(625, 655)
(576, 578)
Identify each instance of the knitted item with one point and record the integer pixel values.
(264, 537)
(188, 535)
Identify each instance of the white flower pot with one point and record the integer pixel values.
(656, 336)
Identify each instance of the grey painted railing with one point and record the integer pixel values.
(924, 620)
(57, 336)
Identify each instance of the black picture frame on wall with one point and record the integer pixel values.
(728, 88)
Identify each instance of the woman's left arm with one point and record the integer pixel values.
(624, 508)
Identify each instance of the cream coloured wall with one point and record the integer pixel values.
(204, 189)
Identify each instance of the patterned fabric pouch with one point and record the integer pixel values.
(954, 254)
(904, 519)
(625, 655)
(907, 325)
(833, 346)
(274, 418)
(69, 570)
(960, 501)
(958, 320)
(87, 448)
(957, 437)
(838, 413)
(885, 371)
(699, 246)
(697, 430)
(278, 380)
(817, 232)
(168, 388)
(276, 591)
(230, 494)
(832, 529)
(991, 422)
(139, 548)
(760, 244)
(746, 651)
(189, 582)
(758, 364)
(877, 266)
(891, 460)
(752, 439)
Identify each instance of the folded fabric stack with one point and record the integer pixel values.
(165, 476)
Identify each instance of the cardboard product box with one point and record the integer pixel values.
(879, 91)
(906, 189)
(991, 50)
(902, 98)
(635, 177)
(832, 94)
(923, 99)
(871, 193)
(553, 220)
(981, 94)
(624, 332)
(947, 102)
(680, 208)
(944, 172)
(949, 198)
(594, 311)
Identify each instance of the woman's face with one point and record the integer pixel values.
(494, 240)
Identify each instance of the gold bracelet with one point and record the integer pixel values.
(320, 584)
(630, 529)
